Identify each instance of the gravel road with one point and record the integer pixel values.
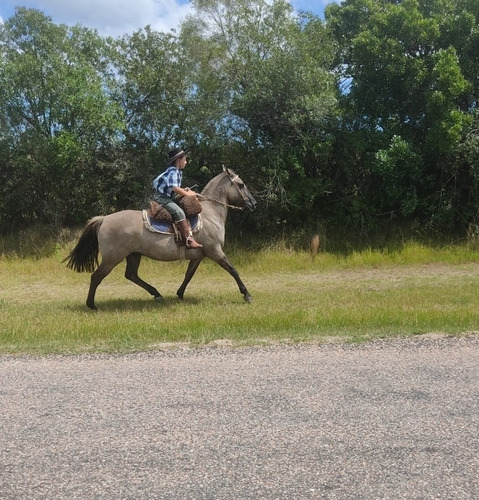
(384, 420)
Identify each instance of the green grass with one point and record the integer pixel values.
(350, 297)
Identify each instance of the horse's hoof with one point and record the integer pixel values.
(248, 299)
(159, 299)
(92, 307)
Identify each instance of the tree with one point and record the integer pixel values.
(152, 87)
(408, 65)
(270, 74)
(56, 117)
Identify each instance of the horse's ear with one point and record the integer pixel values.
(228, 171)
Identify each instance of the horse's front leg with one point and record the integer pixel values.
(225, 264)
(192, 267)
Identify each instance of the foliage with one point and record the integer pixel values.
(410, 85)
(57, 120)
(365, 120)
(271, 76)
(399, 170)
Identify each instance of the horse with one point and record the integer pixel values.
(123, 235)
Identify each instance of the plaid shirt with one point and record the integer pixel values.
(169, 179)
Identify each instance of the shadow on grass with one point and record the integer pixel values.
(134, 305)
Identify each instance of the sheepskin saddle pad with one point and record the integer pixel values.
(190, 205)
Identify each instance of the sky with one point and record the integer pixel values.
(117, 17)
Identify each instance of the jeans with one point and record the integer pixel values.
(175, 211)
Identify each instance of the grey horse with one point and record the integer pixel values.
(123, 235)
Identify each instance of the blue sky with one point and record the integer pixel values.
(116, 17)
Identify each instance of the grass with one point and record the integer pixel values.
(351, 297)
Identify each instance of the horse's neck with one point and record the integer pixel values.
(215, 197)
(215, 190)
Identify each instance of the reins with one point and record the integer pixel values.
(218, 201)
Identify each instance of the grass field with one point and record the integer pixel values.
(353, 297)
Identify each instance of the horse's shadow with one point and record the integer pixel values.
(135, 305)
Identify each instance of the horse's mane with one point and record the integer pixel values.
(214, 184)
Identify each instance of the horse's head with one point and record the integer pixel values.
(238, 194)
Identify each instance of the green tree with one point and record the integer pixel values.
(409, 67)
(269, 74)
(152, 86)
(56, 118)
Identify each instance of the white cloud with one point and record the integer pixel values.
(114, 17)
(117, 17)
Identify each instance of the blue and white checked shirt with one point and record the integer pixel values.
(169, 179)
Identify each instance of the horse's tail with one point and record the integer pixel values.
(84, 257)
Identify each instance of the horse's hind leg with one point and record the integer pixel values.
(131, 273)
(97, 277)
(192, 267)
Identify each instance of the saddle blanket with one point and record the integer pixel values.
(156, 226)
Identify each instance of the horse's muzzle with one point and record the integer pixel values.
(251, 204)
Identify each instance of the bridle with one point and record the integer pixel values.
(233, 181)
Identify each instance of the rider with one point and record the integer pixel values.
(168, 189)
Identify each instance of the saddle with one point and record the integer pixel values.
(158, 220)
(189, 204)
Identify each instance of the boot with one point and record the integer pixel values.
(186, 234)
